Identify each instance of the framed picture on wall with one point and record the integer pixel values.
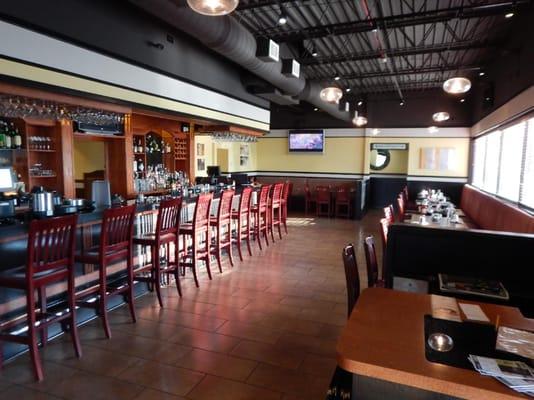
(201, 164)
(243, 155)
(438, 158)
(200, 149)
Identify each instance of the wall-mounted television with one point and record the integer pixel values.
(311, 140)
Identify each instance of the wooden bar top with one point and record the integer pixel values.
(384, 339)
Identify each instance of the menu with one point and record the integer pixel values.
(472, 286)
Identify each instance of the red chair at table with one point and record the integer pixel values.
(223, 226)
(343, 200)
(309, 199)
(116, 245)
(389, 213)
(166, 233)
(322, 198)
(384, 227)
(50, 260)
(402, 208)
(351, 276)
(198, 232)
(242, 219)
(286, 193)
(275, 209)
(260, 213)
(372, 263)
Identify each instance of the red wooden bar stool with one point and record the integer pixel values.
(260, 213)
(198, 232)
(285, 200)
(166, 233)
(223, 226)
(50, 259)
(242, 219)
(322, 198)
(343, 201)
(115, 245)
(275, 209)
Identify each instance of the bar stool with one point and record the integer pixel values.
(260, 213)
(242, 219)
(223, 226)
(322, 198)
(115, 245)
(50, 259)
(166, 233)
(198, 233)
(275, 209)
(343, 201)
(285, 200)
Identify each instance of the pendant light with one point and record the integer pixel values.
(359, 120)
(331, 94)
(441, 116)
(457, 85)
(213, 8)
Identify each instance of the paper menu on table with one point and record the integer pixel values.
(515, 341)
(473, 312)
(445, 308)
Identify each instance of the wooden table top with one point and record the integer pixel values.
(384, 339)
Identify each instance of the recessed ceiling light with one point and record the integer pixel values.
(509, 15)
(314, 52)
(432, 129)
(462, 100)
(337, 78)
(401, 103)
(488, 98)
(457, 85)
(384, 59)
(213, 8)
(481, 73)
(347, 89)
(359, 120)
(331, 94)
(282, 18)
(315, 109)
(360, 102)
(441, 116)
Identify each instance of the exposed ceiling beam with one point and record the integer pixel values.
(421, 85)
(408, 51)
(394, 21)
(408, 71)
(263, 3)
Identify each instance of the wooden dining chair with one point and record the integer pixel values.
(50, 260)
(401, 207)
(372, 263)
(389, 213)
(223, 228)
(351, 276)
(343, 206)
(322, 200)
(116, 245)
(309, 199)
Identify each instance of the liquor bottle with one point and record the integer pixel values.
(2, 134)
(7, 137)
(17, 139)
(140, 165)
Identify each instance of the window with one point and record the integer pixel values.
(503, 163)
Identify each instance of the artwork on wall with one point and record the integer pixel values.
(185, 127)
(201, 164)
(438, 158)
(243, 155)
(200, 149)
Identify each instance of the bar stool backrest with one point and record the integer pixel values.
(351, 276)
(287, 190)
(117, 230)
(372, 263)
(168, 221)
(202, 211)
(277, 193)
(264, 196)
(51, 246)
(244, 201)
(224, 212)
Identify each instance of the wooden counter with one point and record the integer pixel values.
(384, 339)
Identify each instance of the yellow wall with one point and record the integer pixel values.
(88, 157)
(211, 147)
(414, 154)
(341, 155)
(398, 163)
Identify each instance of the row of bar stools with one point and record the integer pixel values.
(166, 234)
(50, 259)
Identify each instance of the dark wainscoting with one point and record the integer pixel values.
(384, 190)
(451, 189)
(422, 252)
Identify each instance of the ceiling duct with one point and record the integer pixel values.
(229, 38)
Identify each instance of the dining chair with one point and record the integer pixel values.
(351, 276)
(372, 263)
(389, 213)
(401, 208)
(167, 232)
(322, 200)
(50, 260)
(343, 202)
(309, 199)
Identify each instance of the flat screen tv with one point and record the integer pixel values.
(311, 140)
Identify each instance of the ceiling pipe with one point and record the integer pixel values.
(229, 38)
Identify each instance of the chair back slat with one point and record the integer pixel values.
(264, 196)
(117, 229)
(351, 275)
(202, 211)
(277, 194)
(372, 263)
(244, 201)
(169, 217)
(51, 245)
(224, 211)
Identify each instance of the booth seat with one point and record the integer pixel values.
(489, 212)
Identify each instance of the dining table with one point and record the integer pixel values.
(383, 346)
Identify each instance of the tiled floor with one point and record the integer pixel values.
(266, 329)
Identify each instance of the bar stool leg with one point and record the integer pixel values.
(239, 231)
(280, 221)
(177, 266)
(229, 238)
(248, 237)
(194, 259)
(208, 257)
(157, 274)
(104, 311)
(218, 249)
(42, 306)
(130, 295)
(32, 336)
(72, 306)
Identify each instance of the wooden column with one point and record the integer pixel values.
(66, 158)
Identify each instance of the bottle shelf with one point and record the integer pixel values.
(43, 176)
(42, 150)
